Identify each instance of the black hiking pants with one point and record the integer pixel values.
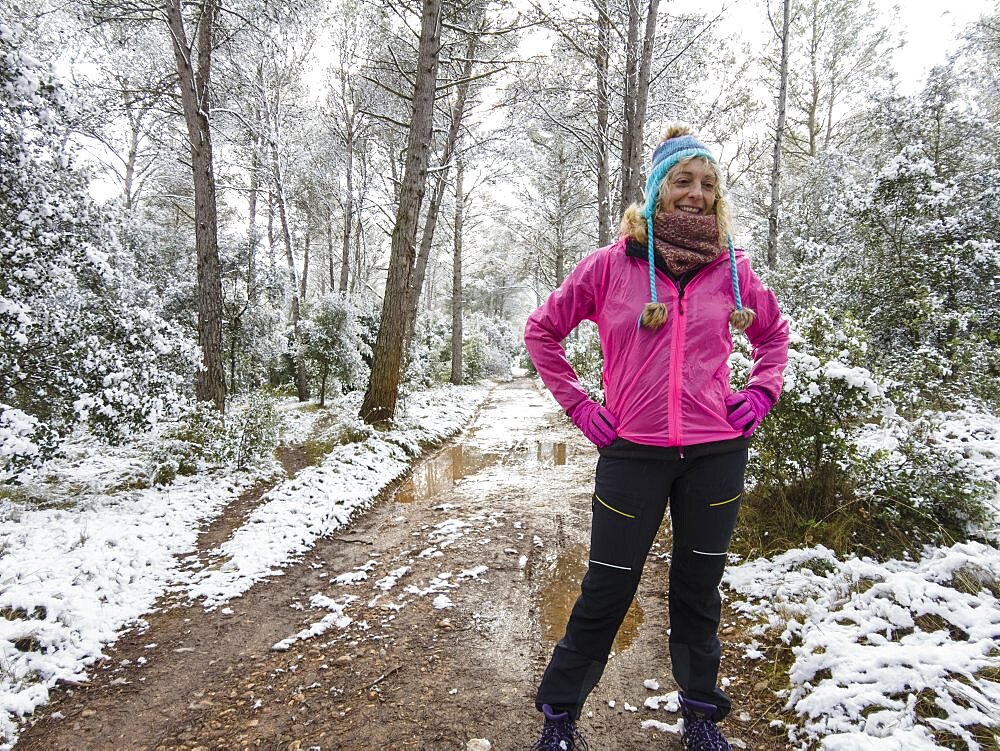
(630, 498)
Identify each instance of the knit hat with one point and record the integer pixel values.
(670, 152)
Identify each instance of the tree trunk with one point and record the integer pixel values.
(628, 107)
(301, 381)
(636, 97)
(603, 134)
(456, 278)
(331, 271)
(642, 97)
(270, 228)
(387, 356)
(305, 266)
(253, 234)
(348, 213)
(772, 216)
(210, 381)
(430, 222)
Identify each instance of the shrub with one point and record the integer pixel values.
(583, 350)
(254, 429)
(334, 342)
(489, 345)
(836, 464)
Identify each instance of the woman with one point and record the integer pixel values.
(671, 432)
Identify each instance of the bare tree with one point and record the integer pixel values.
(839, 51)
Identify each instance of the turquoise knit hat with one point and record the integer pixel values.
(666, 155)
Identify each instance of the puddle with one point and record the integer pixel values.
(559, 593)
(439, 474)
(551, 452)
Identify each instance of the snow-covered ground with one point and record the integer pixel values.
(886, 654)
(883, 655)
(83, 556)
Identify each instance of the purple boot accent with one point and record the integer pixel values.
(559, 733)
(700, 731)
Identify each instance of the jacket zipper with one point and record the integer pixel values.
(676, 355)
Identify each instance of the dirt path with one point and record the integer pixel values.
(408, 671)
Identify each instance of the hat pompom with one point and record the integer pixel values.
(654, 315)
(742, 318)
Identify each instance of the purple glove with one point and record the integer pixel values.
(745, 410)
(599, 425)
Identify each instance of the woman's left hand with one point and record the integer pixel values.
(746, 409)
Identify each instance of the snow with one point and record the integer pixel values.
(884, 655)
(80, 566)
(874, 642)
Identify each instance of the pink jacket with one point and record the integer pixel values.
(666, 387)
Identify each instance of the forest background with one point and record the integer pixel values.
(209, 205)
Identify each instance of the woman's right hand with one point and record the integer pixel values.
(599, 425)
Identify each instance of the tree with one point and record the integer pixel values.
(194, 67)
(841, 53)
(333, 341)
(461, 85)
(380, 398)
(637, 69)
(82, 342)
(456, 277)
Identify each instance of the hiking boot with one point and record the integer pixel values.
(559, 733)
(700, 731)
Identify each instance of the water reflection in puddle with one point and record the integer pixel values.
(551, 452)
(440, 473)
(558, 595)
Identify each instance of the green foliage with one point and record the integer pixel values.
(198, 437)
(835, 463)
(899, 231)
(489, 346)
(254, 429)
(430, 351)
(583, 350)
(81, 340)
(333, 340)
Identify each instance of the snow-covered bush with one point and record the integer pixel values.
(583, 350)
(878, 654)
(254, 428)
(334, 342)
(489, 345)
(430, 351)
(836, 463)
(198, 435)
(80, 342)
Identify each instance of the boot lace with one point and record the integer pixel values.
(702, 734)
(560, 736)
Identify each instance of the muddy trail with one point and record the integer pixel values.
(423, 624)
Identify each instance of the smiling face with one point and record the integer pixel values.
(690, 188)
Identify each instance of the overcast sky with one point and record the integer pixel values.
(930, 28)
